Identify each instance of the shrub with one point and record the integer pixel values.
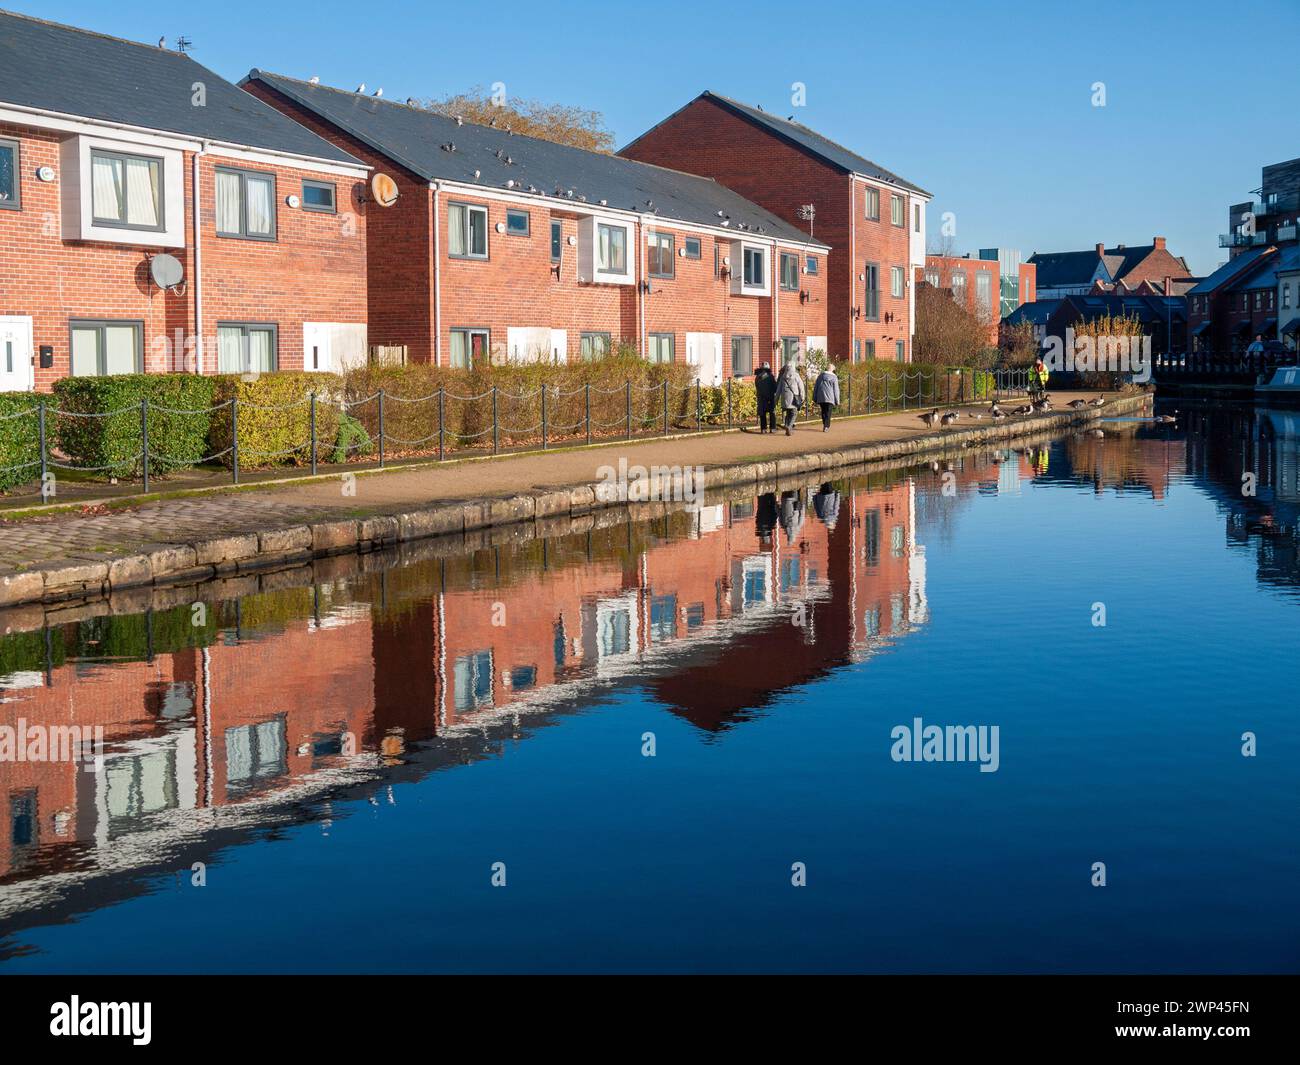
(275, 417)
(20, 453)
(98, 424)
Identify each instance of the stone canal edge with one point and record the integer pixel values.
(192, 563)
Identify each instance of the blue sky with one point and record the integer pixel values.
(987, 105)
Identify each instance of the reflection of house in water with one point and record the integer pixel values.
(712, 610)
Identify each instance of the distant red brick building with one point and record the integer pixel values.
(873, 220)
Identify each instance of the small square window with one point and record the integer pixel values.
(319, 196)
(811, 268)
(517, 223)
(692, 246)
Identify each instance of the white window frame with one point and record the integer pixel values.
(897, 282)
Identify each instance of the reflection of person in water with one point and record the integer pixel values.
(765, 516)
(826, 504)
(791, 515)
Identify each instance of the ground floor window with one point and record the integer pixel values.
(659, 347)
(100, 348)
(469, 347)
(789, 350)
(595, 345)
(742, 356)
(901, 348)
(869, 351)
(246, 347)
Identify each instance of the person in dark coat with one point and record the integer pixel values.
(790, 393)
(765, 390)
(826, 394)
(765, 517)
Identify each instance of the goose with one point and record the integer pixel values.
(1077, 404)
(1097, 434)
(997, 413)
(931, 419)
(1023, 409)
(948, 418)
(1100, 401)
(1165, 419)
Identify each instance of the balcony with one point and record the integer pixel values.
(1275, 205)
(1242, 240)
(1286, 233)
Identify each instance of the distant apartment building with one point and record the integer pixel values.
(1253, 294)
(974, 284)
(1075, 273)
(872, 219)
(1272, 218)
(491, 245)
(1019, 279)
(155, 218)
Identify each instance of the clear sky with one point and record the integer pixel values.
(988, 105)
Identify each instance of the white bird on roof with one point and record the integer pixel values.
(162, 42)
(314, 79)
(379, 91)
(361, 87)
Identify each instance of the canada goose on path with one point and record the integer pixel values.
(1077, 404)
(931, 419)
(948, 418)
(1098, 402)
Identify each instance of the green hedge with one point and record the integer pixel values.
(20, 453)
(98, 424)
(275, 418)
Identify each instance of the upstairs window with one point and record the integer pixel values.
(897, 214)
(898, 282)
(692, 247)
(517, 223)
(467, 231)
(557, 240)
(245, 204)
(319, 196)
(611, 249)
(811, 267)
(873, 204)
(126, 190)
(10, 189)
(916, 217)
(789, 272)
(755, 267)
(660, 249)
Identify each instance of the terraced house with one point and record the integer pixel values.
(153, 217)
(873, 220)
(487, 244)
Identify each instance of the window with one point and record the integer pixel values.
(611, 249)
(517, 223)
(873, 204)
(871, 301)
(319, 196)
(256, 754)
(897, 282)
(857, 350)
(896, 212)
(916, 217)
(932, 277)
(10, 185)
(789, 349)
(467, 231)
(595, 345)
(1286, 296)
(469, 347)
(754, 267)
(245, 204)
(789, 271)
(717, 260)
(663, 618)
(660, 347)
(126, 190)
(472, 681)
(100, 348)
(900, 350)
(811, 267)
(692, 247)
(661, 248)
(1259, 300)
(984, 295)
(869, 349)
(959, 286)
(246, 347)
(742, 356)
(557, 240)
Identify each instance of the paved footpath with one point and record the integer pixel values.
(40, 542)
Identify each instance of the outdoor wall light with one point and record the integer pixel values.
(500, 227)
(45, 173)
(292, 200)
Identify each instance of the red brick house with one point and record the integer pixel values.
(976, 284)
(102, 144)
(1074, 273)
(873, 220)
(510, 248)
(1238, 301)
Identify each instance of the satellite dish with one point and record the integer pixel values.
(166, 270)
(384, 190)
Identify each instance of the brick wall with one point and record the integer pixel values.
(313, 271)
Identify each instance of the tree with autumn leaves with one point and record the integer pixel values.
(562, 123)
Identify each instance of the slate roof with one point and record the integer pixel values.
(1037, 312)
(1232, 270)
(415, 138)
(90, 75)
(812, 141)
(1057, 269)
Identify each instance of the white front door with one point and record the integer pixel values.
(704, 352)
(16, 354)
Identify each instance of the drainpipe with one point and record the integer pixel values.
(197, 280)
(437, 285)
(640, 290)
(853, 261)
(774, 268)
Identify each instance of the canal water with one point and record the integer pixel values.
(685, 741)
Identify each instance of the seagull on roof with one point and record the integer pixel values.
(361, 87)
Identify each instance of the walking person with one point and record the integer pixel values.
(790, 392)
(765, 390)
(826, 394)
